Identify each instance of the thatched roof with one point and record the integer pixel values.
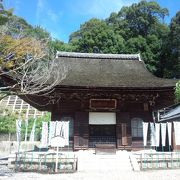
(109, 70)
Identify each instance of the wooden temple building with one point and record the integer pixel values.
(106, 97)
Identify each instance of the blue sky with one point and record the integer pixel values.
(62, 17)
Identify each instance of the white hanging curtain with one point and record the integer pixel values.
(52, 128)
(145, 131)
(177, 132)
(26, 129)
(33, 131)
(169, 126)
(163, 134)
(58, 128)
(44, 135)
(153, 134)
(157, 133)
(66, 132)
(61, 129)
(18, 130)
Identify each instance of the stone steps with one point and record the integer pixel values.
(92, 162)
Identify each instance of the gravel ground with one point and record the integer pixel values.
(5, 171)
(100, 175)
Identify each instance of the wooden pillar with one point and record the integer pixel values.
(124, 134)
(118, 135)
(81, 130)
(118, 130)
(55, 113)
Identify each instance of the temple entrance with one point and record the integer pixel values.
(102, 134)
(102, 128)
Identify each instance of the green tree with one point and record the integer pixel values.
(38, 129)
(138, 28)
(38, 33)
(8, 122)
(4, 14)
(142, 18)
(96, 36)
(16, 27)
(58, 45)
(177, 92)
(172, 66)
(142, 27)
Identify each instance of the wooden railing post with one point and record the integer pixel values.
(141, 161)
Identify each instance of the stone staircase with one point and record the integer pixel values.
(88, 161)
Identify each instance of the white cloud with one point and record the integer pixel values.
(17, 5)
(56, 34)
(53, 16)
(39, 9)
(44, 12)
(49, 18)
(40, 4)
(102, 8)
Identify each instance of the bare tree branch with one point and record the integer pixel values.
(30, 64)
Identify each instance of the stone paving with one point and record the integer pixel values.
(5, 171)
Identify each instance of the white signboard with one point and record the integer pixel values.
(101, 118)
(57, 141)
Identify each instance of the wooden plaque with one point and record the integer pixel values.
(103, 103)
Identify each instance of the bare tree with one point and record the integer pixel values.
(28, 65)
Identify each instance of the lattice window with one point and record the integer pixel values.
(137, 127)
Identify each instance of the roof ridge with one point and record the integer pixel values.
(98, 56)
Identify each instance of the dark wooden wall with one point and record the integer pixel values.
(79, 110)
